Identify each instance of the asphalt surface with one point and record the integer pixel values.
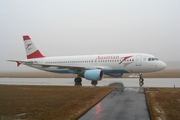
(121, 104)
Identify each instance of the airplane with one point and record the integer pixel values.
(91, 67)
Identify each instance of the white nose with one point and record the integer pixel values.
(162, 65)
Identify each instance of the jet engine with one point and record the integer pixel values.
(93, 75)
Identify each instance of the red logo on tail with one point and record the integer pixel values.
(28, 45)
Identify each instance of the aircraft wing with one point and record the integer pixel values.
(75, 67)
(43, 65)
(72, 67)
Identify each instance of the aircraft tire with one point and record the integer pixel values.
(141, 83)
(77, 80)
(78, 84)
(94, 83)
(141, 80)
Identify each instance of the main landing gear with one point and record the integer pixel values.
(94, 83)
(141, 80)
(78, 81)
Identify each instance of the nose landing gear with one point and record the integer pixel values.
(141, 80)
(141, 83)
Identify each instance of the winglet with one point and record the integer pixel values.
(18, 63)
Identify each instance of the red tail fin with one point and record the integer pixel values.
(31, 50)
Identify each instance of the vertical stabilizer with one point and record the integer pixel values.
(31, 50)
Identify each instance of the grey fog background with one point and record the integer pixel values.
(77, 27)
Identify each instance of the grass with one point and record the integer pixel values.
(163, 103)
(70, 102)
(48, 102)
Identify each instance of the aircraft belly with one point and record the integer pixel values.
(114, 71)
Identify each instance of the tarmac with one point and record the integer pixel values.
(124, 103)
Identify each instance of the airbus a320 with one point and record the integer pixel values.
(91, 67)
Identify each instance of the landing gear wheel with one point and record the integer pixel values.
(77, 80)
(78, 84)
(141, 83)
(94, 83)
(141, 80)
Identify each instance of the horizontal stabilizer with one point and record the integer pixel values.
(19, 62)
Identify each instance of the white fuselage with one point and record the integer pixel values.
(109, 63)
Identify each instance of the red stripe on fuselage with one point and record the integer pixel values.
(125, 58)
(35, 54)
(26, 38)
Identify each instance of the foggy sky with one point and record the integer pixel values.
(77, 27)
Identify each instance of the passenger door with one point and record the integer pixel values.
(138, 60)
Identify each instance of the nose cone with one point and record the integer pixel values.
(162, 65)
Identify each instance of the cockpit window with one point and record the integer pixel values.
(153, 59)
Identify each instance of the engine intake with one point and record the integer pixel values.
(95, 74)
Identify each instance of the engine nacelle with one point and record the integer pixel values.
(95, 74)
(116, 75)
